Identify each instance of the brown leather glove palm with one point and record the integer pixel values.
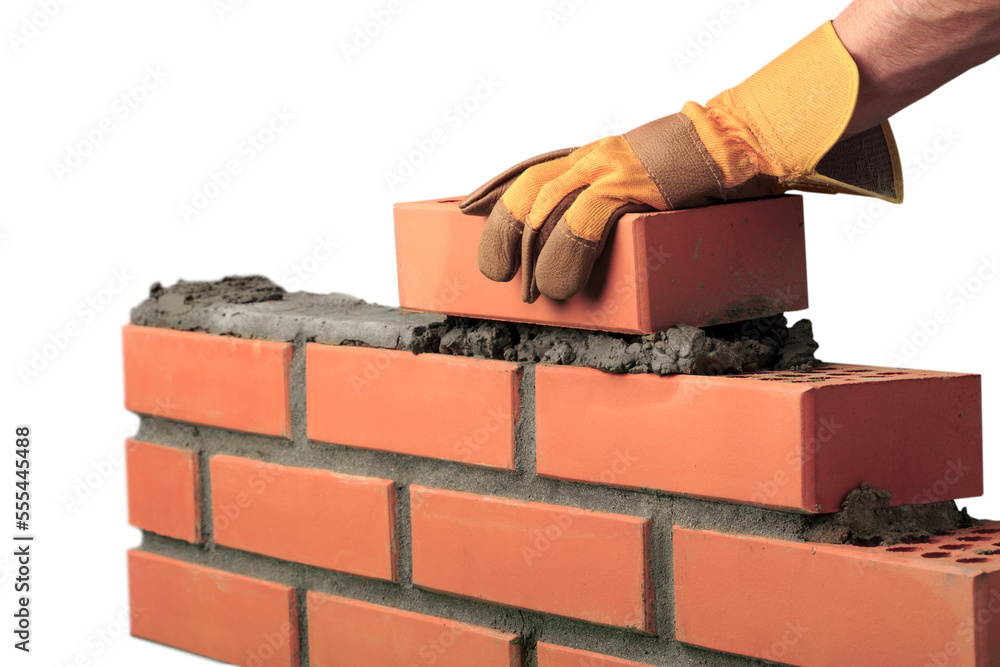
(779, 130)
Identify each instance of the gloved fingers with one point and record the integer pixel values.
(551, 195)
(485, 197)
(534, 239)
(500, 244)
(564, 263)
(522, 193)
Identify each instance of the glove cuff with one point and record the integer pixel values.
(787, 121)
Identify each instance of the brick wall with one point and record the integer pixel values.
(311, 495)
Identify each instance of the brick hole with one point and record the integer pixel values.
(918, 540)
(972, 538)
(856, 370)
(952, 547)
(891, 373)
(986, 531)
(448, 201)
(906, 549)
(972, 560)
(934, 554)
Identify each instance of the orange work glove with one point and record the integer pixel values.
(779, 130)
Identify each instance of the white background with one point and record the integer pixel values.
(114, 222)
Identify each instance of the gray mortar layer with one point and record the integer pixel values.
(254, 307)
(866, 520)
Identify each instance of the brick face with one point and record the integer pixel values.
(212, 380)
(561, 560)
(550, 655)
(317, 517)
(790, 440)
(346, 633)
(439, 406)
(936, 602)
(163, 490)
(698, 266)
(224, 616)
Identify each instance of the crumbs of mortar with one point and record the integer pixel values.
(867, 520)
(255, 307)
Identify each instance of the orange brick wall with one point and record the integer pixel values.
(308, 503)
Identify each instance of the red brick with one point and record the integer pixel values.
(790, 440)
(550, 655)
(559, 560)
(440, 406)
(317, 517)
(217, 614)
(213, 380)
(699, 266)
(163, 492)
(347, 633)
(822, 604)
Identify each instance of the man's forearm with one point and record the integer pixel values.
(905, 49)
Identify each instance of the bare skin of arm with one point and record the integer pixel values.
(905, 49)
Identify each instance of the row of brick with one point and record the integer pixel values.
(591, 566)
(246, 621)
(797, 441)
(594, 566)
(936, 602)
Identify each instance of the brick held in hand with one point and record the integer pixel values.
(702, 266)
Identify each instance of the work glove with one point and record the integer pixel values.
(779, 130)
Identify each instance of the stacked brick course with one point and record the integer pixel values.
(310, 494)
